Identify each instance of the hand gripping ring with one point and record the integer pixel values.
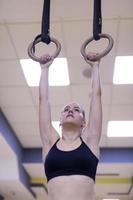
(38, 59)
(100, 55)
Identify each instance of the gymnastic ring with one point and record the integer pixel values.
(100, 55)
(38, 59)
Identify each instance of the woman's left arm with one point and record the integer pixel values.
(94, 127)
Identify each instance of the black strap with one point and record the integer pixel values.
(97, 19)
(45, 30)
(45, 22)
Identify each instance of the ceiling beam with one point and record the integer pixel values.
(99, 180)
(9, 136)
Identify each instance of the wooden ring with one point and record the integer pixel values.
(100, 55)
(38, 59)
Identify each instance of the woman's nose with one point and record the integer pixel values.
(70, 111)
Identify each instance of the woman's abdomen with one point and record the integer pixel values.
(72, 187)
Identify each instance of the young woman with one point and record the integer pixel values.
(71, 161)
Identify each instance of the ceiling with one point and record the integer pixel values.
(71, 23)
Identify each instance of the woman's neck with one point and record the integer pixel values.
(70, 136)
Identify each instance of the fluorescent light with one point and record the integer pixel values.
(56, 125)
(123, 71)
(110, 199)
(31, 71)
(58, 72)
(120, 129)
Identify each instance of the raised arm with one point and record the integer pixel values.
(47, 132)
(94, 126)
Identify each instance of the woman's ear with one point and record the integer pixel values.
(83, 124)
(60, 124)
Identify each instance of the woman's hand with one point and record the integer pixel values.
(46, 61)
(91, 56)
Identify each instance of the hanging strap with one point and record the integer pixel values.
(97, 19)
(45, 30)
(97, 29)
(45, 22)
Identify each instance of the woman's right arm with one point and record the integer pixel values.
(47, 132)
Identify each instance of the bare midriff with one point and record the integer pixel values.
(72, 187)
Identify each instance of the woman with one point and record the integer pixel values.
(71, 161)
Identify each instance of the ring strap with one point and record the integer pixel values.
(45, 28)
(97, 20)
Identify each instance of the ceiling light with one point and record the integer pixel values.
(56, 125)
(110, 199)
(123, 71)
(120, 129)
(58, 72)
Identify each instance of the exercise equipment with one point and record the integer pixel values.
(97, 35)
(44, 36)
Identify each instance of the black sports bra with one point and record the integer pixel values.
(80, 161)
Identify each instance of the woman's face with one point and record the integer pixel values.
(72, 114)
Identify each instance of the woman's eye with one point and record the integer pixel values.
(77, 110)
(66, 109)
